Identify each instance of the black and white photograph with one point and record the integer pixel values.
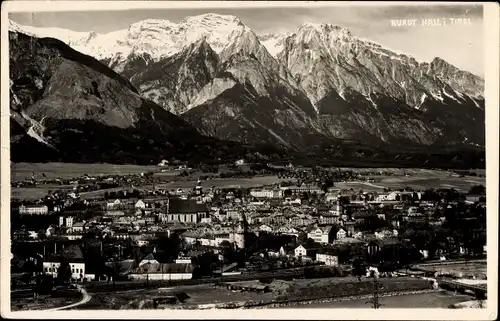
(235, 156)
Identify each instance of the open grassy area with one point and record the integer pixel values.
(21, 171)
(37, 192)
(417, 179)
(476, 269)
(462, 184)
(434, 300)
(207, 294)
(42, 303)
(189, 184)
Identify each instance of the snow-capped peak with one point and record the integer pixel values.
(326, 29)
(157, 37)
(274, 42)
(211, 20)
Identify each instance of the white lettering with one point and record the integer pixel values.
(403, 22)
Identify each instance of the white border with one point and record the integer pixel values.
(491, 43)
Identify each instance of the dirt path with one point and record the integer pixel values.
(86, 298)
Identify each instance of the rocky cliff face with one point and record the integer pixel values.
(294, 90)
(73, 108)
(174, 82)
(359, 87)
(254, 99)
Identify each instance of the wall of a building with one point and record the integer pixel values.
(161, 276)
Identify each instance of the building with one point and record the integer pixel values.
(475, 198)
(341, 233)
(298, 190)
(389, 245)
(265, 228)
(66, 220)
(350, 227)
(328, 259)
(266, 193)
(185, 211)
(386, 233)
(337, 210)
(304, 251)
(239, 235)
(322, 235)
(33, 210)
(192, 257)
(77, 227)
(113, 204)
(163, 271)
(392, 196)
(77, 266)
(331, 197)
(328, 220)
(148, 259)
(140, 204)
(284, 230)
(240, 162)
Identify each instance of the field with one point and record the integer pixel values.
(43, 303)
(37, 192)
(189, 184)
(22, 171)
(198, 294)
(462, 184)
(417, 179)
(206, 294)
(227, 182)
(477, 269)
(434, 300)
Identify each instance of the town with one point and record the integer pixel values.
(309, 227)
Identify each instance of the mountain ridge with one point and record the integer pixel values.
(304, 88)
(60, 96)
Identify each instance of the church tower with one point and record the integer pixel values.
(240, 232)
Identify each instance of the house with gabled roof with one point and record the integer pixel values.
(322, 234)
(306, 251)
(148, 259)
(341, 233)
(163, 271)
(327, 256)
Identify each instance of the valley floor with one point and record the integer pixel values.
(417, 179)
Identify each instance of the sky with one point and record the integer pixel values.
(460, 45)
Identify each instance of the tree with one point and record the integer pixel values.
(327, 183)
(477, 189)
(302, 237)
(41, 235)
(44, 284)
(64, 272)
(358, 268)
(226, 249)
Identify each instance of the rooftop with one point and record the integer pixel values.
(186, 206)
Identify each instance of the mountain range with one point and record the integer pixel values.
(299, 91)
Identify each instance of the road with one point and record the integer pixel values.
(85, 298)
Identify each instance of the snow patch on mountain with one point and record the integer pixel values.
(273, 42)
(449, 95)
(156, 37)
(216, 87)
(36, 130)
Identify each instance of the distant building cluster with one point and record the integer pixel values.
(280, 226)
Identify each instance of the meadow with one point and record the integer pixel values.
(416, 179)
(462, 184)
(22, 171)
(434, 300)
